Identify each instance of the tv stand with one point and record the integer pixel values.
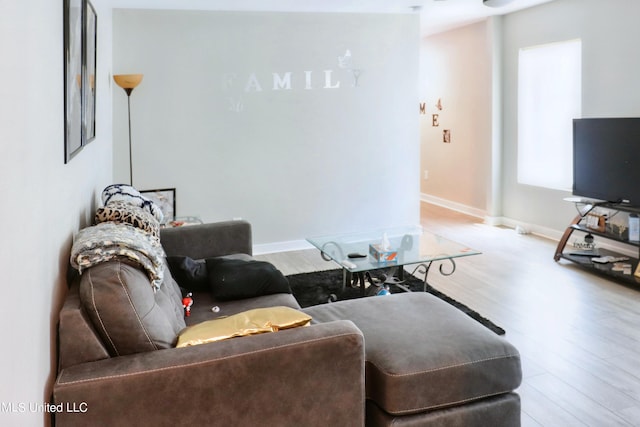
(584, 222)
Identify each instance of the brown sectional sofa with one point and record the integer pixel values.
(407, 359)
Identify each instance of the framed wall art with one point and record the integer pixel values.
(89, 82)
(446, 136)
(80, 55)
(165, 198)
(72, 78)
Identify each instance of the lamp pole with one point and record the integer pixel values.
(130, 152)
(128, 82)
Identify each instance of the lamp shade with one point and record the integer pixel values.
(127, 81)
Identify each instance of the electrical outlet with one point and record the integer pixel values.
(426, 174)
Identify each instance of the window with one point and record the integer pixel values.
(549, 98)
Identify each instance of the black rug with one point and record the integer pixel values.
(318, 287)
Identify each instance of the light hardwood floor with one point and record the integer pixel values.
(578, 333)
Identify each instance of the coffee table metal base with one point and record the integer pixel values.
(396, 277)
(399, 282)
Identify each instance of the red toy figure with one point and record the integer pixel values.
(187, 302)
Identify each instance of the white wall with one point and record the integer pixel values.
(456, 67)
(302, 160)
(44, 201)
(610, 80)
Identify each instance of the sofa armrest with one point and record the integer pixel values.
(305, 376)
(208, 240)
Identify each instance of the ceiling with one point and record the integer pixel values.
(435, 15)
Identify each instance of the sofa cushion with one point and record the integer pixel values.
(239, 278)
(251, 322)
(129, 316)
(205, 307)
(423, 353)
(495, 411)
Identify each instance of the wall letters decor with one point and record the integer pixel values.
(237, 83)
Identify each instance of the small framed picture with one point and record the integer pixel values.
(165, 198)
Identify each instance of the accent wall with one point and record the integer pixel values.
(303, 124)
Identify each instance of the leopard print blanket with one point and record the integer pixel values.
(124, 213)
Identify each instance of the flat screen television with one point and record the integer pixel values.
(606, 159)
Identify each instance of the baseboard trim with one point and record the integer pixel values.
(519, 226)
(496, 221)
(527, 228)
(287, 246)
(454, 206)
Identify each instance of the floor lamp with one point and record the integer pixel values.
(128, 82)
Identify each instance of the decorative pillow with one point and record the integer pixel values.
(256, 321)
(124, 213)
(189, 273)
(231, 279)
(128, 194)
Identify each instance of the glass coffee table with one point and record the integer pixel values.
(393, 248)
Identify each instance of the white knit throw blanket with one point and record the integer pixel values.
(107, 241)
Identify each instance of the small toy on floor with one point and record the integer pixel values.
(384, 291)
(187, 302)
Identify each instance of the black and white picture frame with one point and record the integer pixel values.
(72, 77)
(80, 59)
(165, 198)
(89, 82)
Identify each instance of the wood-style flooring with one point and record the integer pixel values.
(578, 333)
